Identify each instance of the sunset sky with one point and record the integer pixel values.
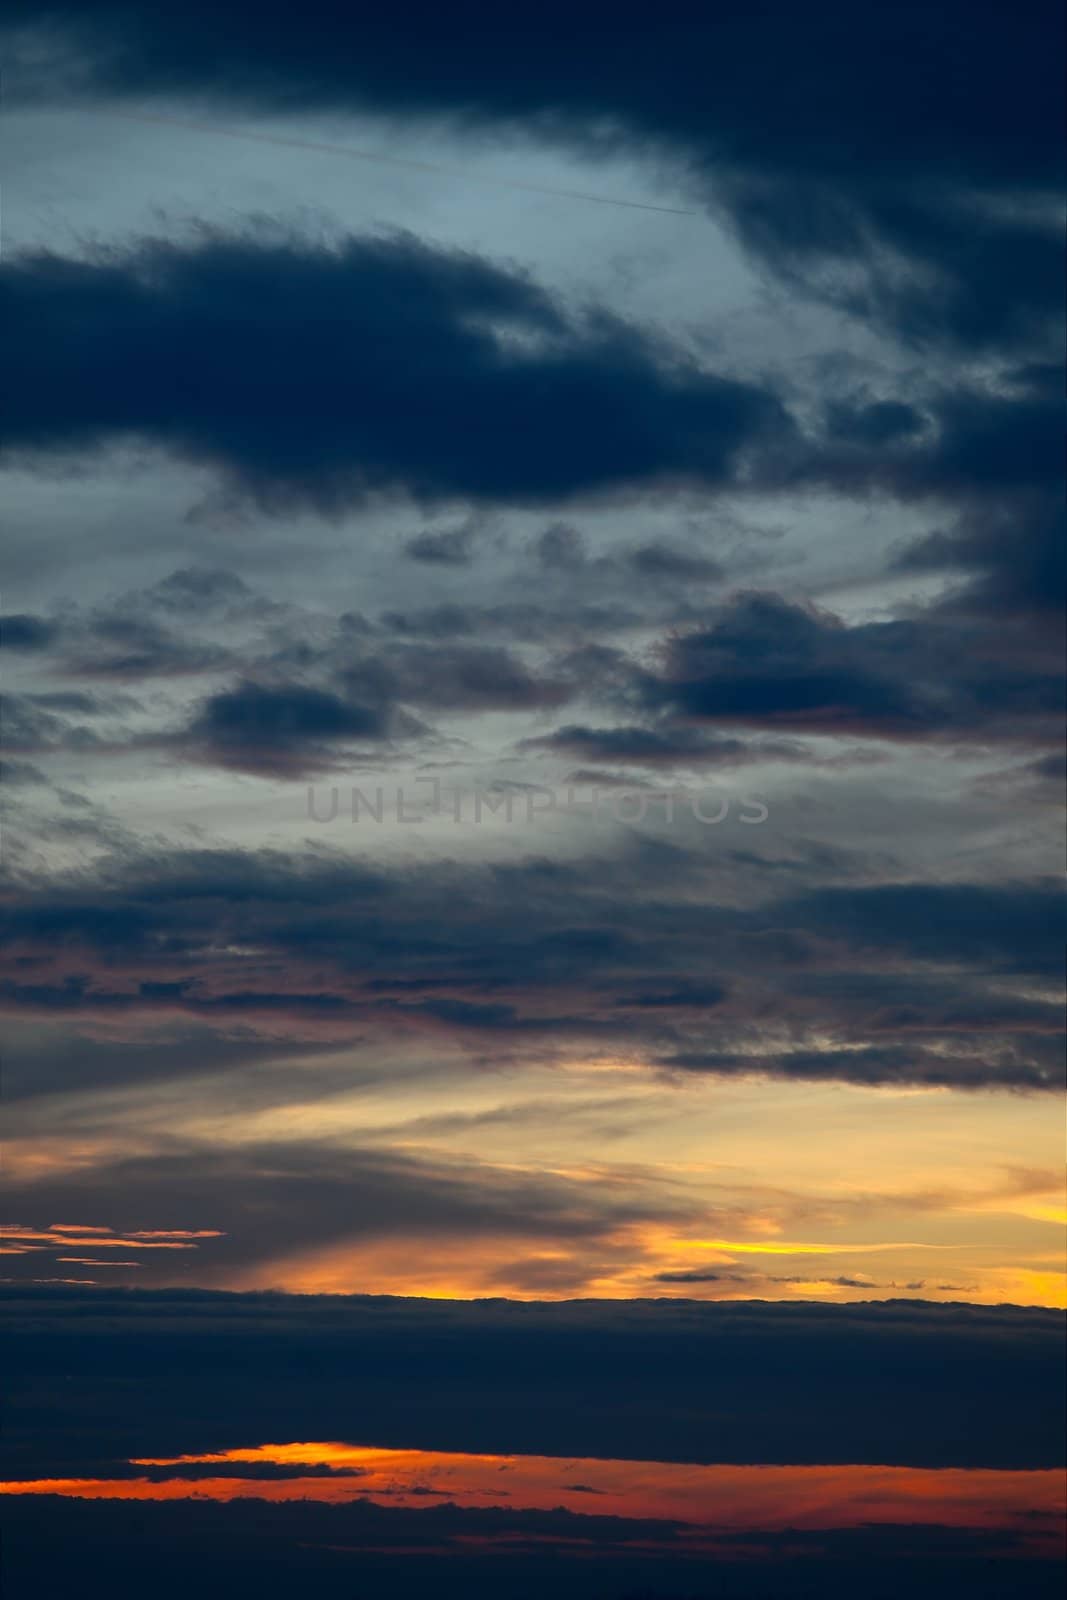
(533, 620)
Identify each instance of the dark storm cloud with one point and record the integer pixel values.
(637, 950)
(115, 1550)
(317, 374)
(1014, 556)
(279, 730)
(902, 161)
(769, 662)
(885, 1383)
(998, 438)
(24, 632)
(959, 251)
(1004, 925)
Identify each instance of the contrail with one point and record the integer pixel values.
(391, 161)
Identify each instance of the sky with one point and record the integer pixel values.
(533, 608)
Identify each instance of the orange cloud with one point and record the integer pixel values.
(730, 1498)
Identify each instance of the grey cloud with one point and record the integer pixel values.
(554, 952)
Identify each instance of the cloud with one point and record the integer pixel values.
(258, 1213)
(63, 1061)
(449, 548)
(997, 437)
(32, 727)
(935, 224)
(128, 647)
(1012, 557)
(452, 677)
(424, 370)
(276, 727)
(192, 591)
(561, 549)
(662, 745)
(743, 1382)
(883, 1064)
(693, 1277)
(765, 662)
(279, 729)
(114, 1549)
(1001, 926)
(15, 774)
(136, 635)
(883, 983)
(24, 632)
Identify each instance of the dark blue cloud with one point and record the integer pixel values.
(25, 632)
(900, 1381)
(279, 728)
(318, 374)
(1006, 924)
(902, 160)
(766, 662)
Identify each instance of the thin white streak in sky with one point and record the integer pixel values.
(392, 161)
